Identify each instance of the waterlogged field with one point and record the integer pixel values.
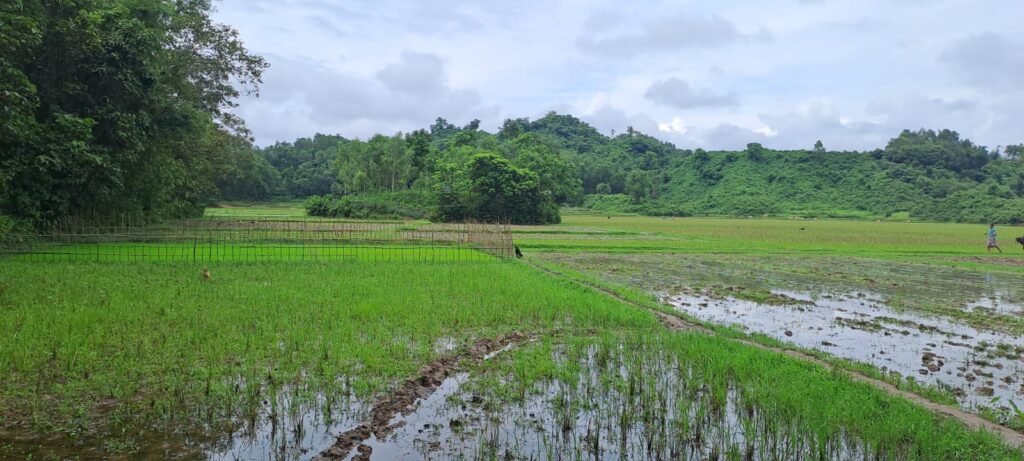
(921, 303)
(484, 358)
(93, 353)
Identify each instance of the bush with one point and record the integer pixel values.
(379, 206)
(13, 231)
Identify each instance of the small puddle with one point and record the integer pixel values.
(445, 344)
(979, 366)
(419, 434)
(292, 428)
(1000, 302)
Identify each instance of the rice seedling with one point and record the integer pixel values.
(285, 346)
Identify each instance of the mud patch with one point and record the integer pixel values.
(403, 400)
(859, 327)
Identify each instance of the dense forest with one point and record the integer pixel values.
(115, 109)
(122, 110)
(527, 167)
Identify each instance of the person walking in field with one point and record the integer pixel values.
(992, 238)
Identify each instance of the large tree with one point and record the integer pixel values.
(116, 107)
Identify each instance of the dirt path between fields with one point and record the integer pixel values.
(403, 400)
(1010, 436)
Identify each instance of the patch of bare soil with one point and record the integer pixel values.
(403, 400)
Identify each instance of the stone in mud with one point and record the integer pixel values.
(985, 391)
(922, 372)
(788, 333)
(934, 368)
(828, 344)
(970, 378)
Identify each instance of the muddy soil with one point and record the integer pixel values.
(976, 365)
(404, 399)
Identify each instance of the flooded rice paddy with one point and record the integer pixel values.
(975, 365)
(607, 398)
(956, 329)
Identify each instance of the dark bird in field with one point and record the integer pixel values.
(206, 274)
(1020, 240)
(519, 254)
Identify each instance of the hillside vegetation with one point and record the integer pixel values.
(559, 159)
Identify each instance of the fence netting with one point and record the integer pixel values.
(227, 239)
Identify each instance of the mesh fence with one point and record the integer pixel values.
(227, 239)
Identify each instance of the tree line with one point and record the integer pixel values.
(560, 160)
(118, 109)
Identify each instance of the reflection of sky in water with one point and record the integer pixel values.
(858, 326)
(559, 420)
(912, 284)
(292, 428)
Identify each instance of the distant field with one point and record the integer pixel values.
(293, 209)
(579, 232)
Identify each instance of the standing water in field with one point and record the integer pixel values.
(289, 425)
(976, 365)
(630, 400)
(953, 328)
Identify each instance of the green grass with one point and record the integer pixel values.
(287, 209)
(636, 380)
(91, 349)
(165, 346)
(238, 252)
(765, 236)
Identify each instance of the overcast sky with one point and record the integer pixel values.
(720, 74)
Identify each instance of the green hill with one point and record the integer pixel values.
(925, 175)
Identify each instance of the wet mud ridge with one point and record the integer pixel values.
(403, 400)
(1010, 436)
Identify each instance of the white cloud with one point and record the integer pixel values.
(706, 74)
(672, 33)
(404, 95)
(987, 61)
(679, 94)
(675, 126)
